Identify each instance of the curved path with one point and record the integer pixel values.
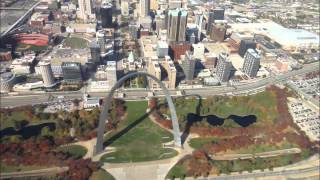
(34, 173)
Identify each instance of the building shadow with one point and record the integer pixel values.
(196, 116)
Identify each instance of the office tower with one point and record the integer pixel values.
(218, 32)
(72, 72)
(251, 63)
(154, 4)
(245, 45)
(155, 70)
(199, 23)
(124, 8)
(85, 9)
(210, 21)
(160, 23)
(218, 14)
(162, 49)
(224, 68)
(174, 4)
(106, 15)
(101, 38)
(177, 22)
(95, 52)
(134, 30)
(171, 72)
(47, 74)
(117, 44)
(111, 70)
(188, 65)
(144, 8)
(214, 14)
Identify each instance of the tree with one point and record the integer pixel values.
(20, 124)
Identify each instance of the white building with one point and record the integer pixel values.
(47, 74)
(198, 51)
(125, 8)
(85, 10)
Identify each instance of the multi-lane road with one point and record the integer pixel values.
(28, 98)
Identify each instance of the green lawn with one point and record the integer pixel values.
(25, 47)
(101, 175)
(143, 142)
(76, 43)
(262, 105)
(177, 171)
(75, 151)
(197, 143)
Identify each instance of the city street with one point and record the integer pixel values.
(27, 98)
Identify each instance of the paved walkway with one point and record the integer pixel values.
(34, 173)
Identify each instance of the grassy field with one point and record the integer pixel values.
(177, 171)
(101, 175)
(197, 143)
(262, 105)
(76, 43)
(25, 47)
(143, 142)
(75, 151)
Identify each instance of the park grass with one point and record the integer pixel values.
(75, 151)
(142, 142)
(263, 105)
(9, 168)
(177, 171)
(25, 47)
(198, 143)
(101, 175)
(76, 43)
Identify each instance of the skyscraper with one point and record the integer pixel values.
(47, 74)
(85, 9)
(177, 22)
(218, 32)
(106, 15)
(224, 68)
(124, 8)
(188, 65)
(214, 14)
(111, 70)
(251, 63)
(144, 8)
(245, 45)
(101, 38)
(95, 51)
(72, 72)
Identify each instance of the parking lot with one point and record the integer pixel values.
(306, 118)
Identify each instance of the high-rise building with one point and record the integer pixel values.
(174, 4)
(106, 15)
(124, 8)
(155, 70)
(47, 74)
(144, 8)
(162, 49)
(101, 38)
(111, 70)
(95, 51)
(85, 9)
(72, 72)
(134, 30)
(188, 65)
(214, 14)
(245, 45)
(218, 32)
(171, 72)
(177, 22)
(160, 23)
(251, 63)
(224, 68)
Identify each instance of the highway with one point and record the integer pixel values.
(31, 98)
